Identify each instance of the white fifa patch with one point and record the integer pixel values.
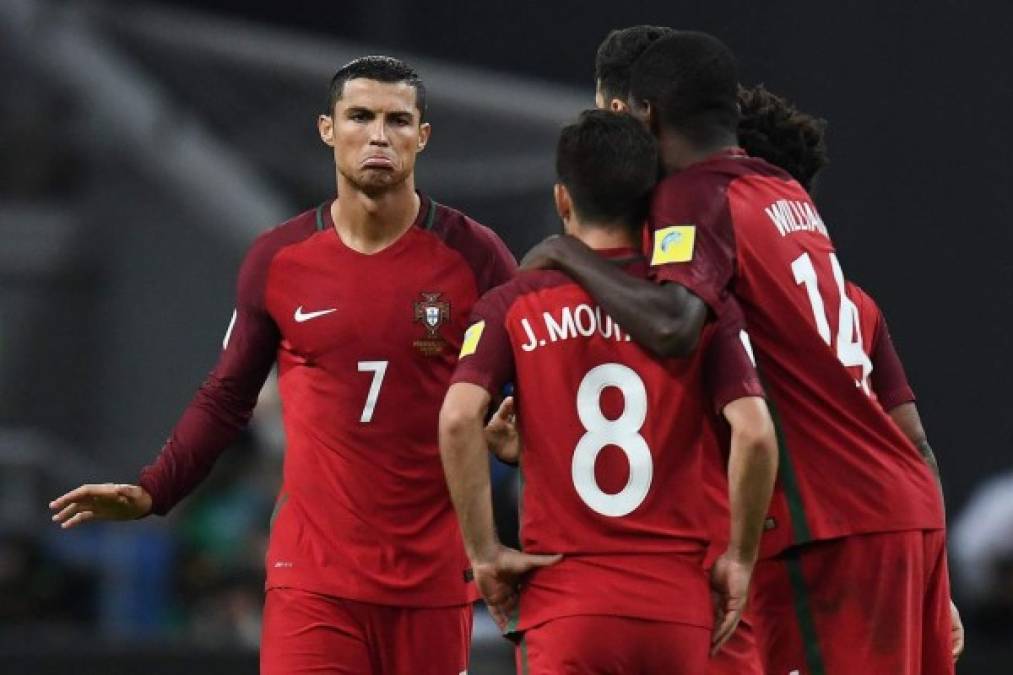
(228, 331)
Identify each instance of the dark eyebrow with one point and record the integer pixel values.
(358, 109)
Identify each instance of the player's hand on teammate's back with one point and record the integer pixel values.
(551, 251)
(957, 632)
(498, 578)
(105, 501)
(729, 588)
(501, 433)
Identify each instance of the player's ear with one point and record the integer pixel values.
(325, 126)
(425, 131)
(645, 113)
(564, 205)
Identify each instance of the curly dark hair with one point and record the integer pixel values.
(773, 129)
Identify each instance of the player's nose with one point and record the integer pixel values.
(378, 133)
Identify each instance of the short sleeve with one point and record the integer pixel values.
(691, 240)
(486, 357)
(729, 363)
(889, 381)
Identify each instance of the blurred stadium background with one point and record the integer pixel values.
(145, 145)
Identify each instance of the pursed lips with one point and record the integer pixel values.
(378, 161)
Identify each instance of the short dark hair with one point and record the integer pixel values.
(381, 69)
(609, 164)
(616, 55)
(691, 81)
(773, 129)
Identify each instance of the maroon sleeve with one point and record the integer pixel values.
(889, 380)
(487, 358)
(698, 200)
(729, 368)
(225, 401)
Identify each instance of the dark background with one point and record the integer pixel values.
(918, 98)
(145, 145)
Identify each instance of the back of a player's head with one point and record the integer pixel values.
(691, 81)
(616, 55)
(608, 163)
(773, 129)
(380, 69)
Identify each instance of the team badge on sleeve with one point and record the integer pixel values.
(673, 244)
(471, 338)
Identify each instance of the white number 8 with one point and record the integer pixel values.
(623, 432)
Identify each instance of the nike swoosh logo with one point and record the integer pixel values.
(301, 316)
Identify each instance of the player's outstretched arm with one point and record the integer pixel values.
(106, 501)
(464, 453)
(752, 467)
(664, 318)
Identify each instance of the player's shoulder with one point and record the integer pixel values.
(485, 253)
(460, 230)
(294, 230)
(867, 307)
(710, 178)
(523, 283)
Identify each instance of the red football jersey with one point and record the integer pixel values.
(735, 224)
(888, 381)
(611, 435)
(365, 347)
(889, 386)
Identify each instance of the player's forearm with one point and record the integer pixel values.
(665, 319)
(466, 467)
(752, 468)
(211, 422)
(907, 419)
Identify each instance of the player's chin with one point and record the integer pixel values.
(379, 180)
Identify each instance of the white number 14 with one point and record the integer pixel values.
(850, 351)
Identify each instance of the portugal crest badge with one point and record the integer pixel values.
(432, 313)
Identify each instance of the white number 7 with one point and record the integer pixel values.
(378, 368)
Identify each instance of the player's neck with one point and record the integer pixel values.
(604, 236)
(678, 152)
(370, 223)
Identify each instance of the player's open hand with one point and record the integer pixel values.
(501, 433)
(956, 632)
(729, 588)
(498, 579)
(105, 501)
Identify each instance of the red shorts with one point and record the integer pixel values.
(613, 645)
(310, 633)
(874, 603)
(740, 655)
